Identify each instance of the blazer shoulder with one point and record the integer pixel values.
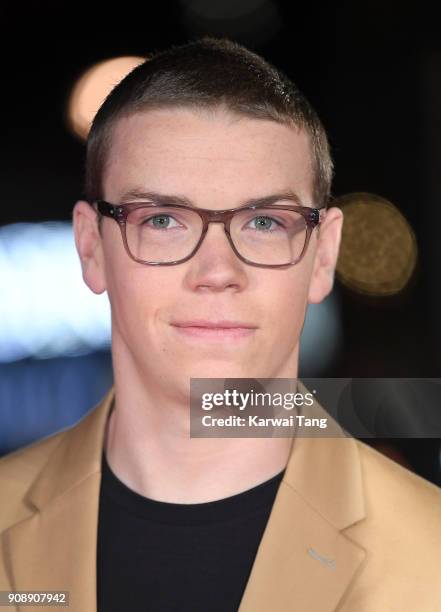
(18, 470)
(378, 466)
(400, 502)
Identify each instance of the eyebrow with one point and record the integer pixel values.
(171, 200)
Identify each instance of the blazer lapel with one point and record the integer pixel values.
(54, 549)
(305, 561)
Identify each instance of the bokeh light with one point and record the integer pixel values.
(378, 252)
(92, 88)
(49, 311)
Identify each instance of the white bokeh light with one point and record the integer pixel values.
(46, 310)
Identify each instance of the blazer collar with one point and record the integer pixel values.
(304, 560)
(76, 457)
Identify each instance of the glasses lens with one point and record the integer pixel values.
(269, 235)
(162, 234)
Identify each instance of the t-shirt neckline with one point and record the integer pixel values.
(248, 502)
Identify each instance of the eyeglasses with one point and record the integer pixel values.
(169, 234)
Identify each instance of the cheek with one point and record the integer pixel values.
(286, 303)
(139, 296)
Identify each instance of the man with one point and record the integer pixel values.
(125, 510)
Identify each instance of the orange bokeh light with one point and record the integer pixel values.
(91, 89)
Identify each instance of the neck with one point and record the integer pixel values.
(148, 447)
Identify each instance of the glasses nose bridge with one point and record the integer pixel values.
(217, 216)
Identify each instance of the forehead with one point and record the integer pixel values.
(203, 154)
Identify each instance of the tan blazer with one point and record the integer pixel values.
(350, 530)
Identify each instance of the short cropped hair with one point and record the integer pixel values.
(208, 73)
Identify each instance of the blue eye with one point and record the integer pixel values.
(263, 218)
(163, 224)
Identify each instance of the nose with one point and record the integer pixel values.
(215, 265)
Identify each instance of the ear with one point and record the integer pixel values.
(328, 244)
(89, 246)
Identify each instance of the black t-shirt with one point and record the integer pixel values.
(160, 556)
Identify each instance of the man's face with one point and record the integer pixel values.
(217, 161)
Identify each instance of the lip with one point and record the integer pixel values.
(214, 330)
(224, 324)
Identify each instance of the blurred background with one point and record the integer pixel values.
(373, 73)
